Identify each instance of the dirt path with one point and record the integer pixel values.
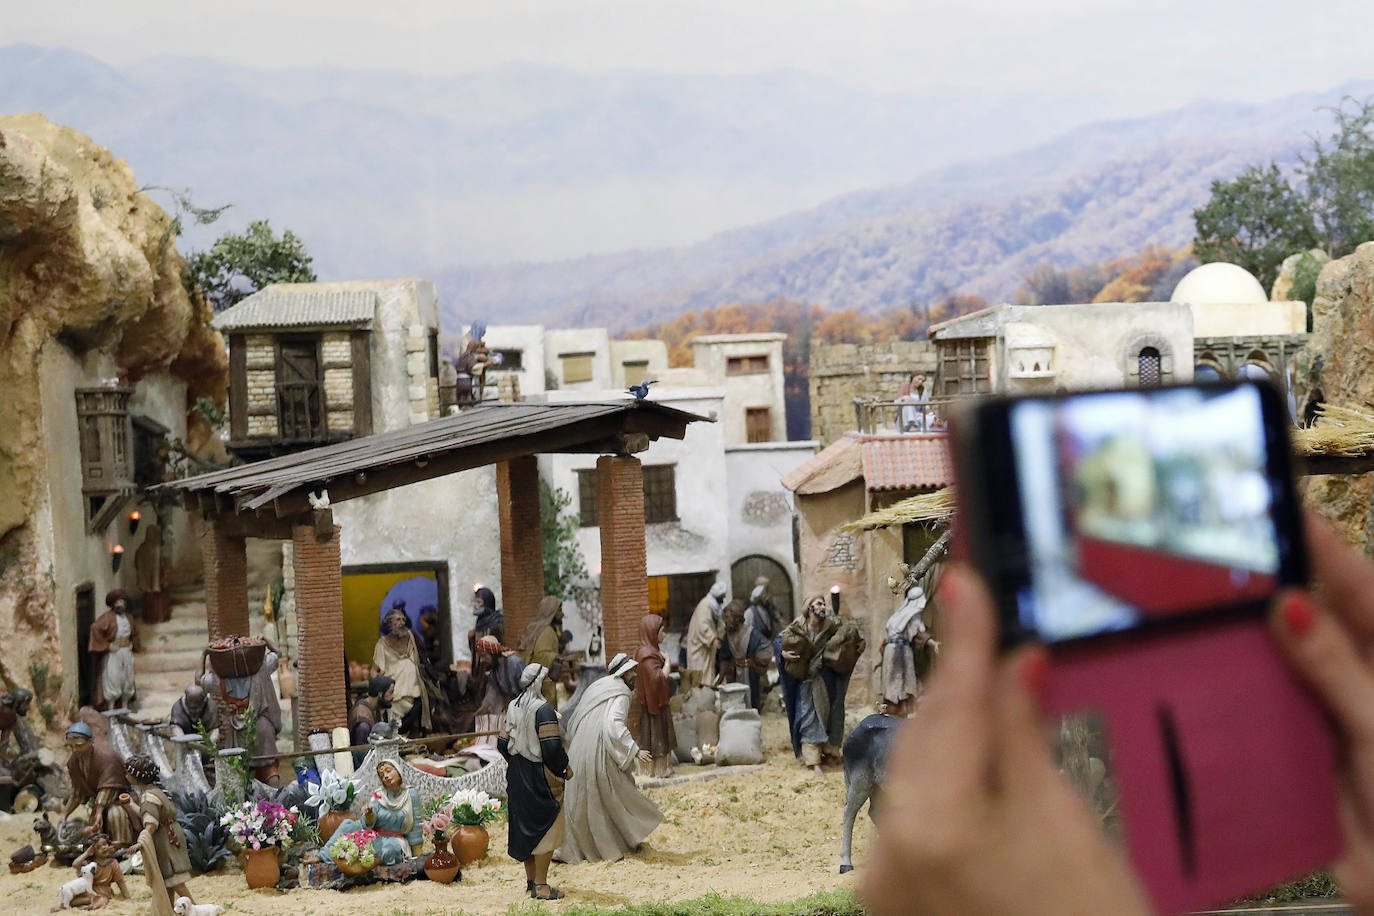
(771, 834)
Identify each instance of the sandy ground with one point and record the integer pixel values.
(771, 834)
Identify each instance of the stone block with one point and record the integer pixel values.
(340, 421)
(417, 393)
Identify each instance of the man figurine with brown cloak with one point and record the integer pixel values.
(113, 640)
(97, 776)
(537, 768)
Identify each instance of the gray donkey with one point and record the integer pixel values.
(865, 762)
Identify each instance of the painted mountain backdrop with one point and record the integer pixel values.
(490, 181)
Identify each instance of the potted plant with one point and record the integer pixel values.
(331, 797)
(470, 811)
(353, 853)
(260, 828)
(441, 865)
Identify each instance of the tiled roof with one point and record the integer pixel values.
(833, 466)
(286, 305)
(906, 461)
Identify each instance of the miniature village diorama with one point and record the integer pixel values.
(328, 649)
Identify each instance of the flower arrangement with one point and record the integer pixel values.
(332, 793)
(355, 849)
(468, 808)
(259, 824)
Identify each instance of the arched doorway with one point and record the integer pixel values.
(743, 573)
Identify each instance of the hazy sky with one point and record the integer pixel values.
(1147, 54)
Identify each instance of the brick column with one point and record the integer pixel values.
(319, 628)
(226, 582)
(522, 547)
(624, 583)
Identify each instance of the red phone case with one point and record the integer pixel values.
(1224, 765)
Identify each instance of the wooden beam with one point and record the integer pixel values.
(251, 525)
(387, 477)
(1317, 465)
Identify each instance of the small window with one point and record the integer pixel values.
(746, 365)
(758, 424)
(635, 371)
(508, 360)
(586, 498)
(1148, 364)
(434, 353)
(660, 493)
(658, 595)
(577, 367)
(964, 367)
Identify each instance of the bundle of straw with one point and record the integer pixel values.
(935, 506)
(1340, 430)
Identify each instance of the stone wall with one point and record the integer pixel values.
(1335, 368)
(842, 372)
(261, 374)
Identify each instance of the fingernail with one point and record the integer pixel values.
(1298, 614)
(1034, 671)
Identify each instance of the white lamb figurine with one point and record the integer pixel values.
(75, 888)
(184, 907)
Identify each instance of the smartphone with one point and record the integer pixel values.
(1102, 514)
(1141, 535)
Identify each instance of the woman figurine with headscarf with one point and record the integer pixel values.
(398, 657)
(652, 692)
(537, 768)
(906, 635)
(607, 816)
(394, 812)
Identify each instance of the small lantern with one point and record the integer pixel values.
(116, 557)
(835, 598)
(134, 518)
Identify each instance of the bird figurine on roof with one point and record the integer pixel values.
(641, 391)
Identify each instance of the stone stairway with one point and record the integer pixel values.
(171, 655)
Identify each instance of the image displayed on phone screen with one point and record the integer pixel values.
(1142, 505)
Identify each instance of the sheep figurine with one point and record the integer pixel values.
(184, 907)
(75, 888)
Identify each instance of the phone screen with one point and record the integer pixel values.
(1139, 507)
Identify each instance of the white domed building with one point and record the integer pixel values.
(1237, 331)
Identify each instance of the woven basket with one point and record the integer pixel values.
(239, 661)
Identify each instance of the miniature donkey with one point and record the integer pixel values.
(865, 762)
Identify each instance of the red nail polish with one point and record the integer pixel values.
(1034, 671)
(1298, 614)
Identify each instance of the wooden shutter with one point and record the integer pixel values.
(238, 388)
(362, 383)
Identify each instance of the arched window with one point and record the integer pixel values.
(1206, 372)
(1148, 366)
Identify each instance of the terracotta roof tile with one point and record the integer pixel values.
(906, 462)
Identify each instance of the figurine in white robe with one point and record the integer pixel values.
(605, 815)
(703, 635)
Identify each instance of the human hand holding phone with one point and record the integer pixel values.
(1330, 643)
(976, 819)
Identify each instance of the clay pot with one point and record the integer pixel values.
(329, 822)
(442, 865)
(470, 844)
(262, 867)
(355, 869)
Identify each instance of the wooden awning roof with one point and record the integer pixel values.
(480, 436)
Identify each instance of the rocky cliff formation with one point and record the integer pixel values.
(89, 260)
(1337, 367)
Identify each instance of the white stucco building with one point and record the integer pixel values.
(715, 509)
